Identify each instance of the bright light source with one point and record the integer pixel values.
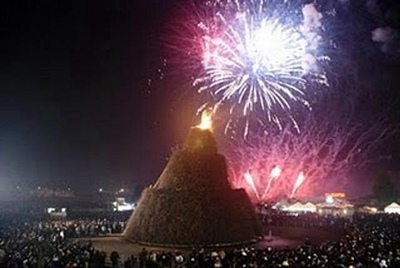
(100, 190)
(329, 199)
(121, 205)
(125, 207)
(206, 120)
(50, 210)
(276, 172)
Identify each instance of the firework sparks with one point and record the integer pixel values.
(299, 181)
(324, 153)
(249, 180)
(275, 173)
(255, 60)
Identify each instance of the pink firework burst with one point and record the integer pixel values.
(296, 164)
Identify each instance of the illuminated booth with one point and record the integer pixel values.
(392, 208)
(335, 204)
(57, 212)
(121, 205)
(301, 208)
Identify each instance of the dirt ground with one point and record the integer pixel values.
(280, 237)
(314, 235)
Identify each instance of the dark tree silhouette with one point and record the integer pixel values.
(384, 189)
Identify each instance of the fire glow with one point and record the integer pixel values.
(206, 120)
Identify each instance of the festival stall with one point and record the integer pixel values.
(298, 207)
(392, 208)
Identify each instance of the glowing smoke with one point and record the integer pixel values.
(386, 15)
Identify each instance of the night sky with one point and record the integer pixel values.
(81, 99)
(74, 93)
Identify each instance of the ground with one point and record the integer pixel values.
(278, 237)
(314, 235)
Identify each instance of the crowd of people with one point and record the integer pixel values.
(32, 242)
(367, 241)
(310, 220)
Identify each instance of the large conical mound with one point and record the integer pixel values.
(192, 202)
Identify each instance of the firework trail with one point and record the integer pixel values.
(275, 173)
(325, 153)
(249, 180)
(256, 57)
(299, 181)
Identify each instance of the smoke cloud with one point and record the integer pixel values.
(312, 18)
(386, 15)
(310, 29)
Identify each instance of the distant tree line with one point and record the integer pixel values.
(384, 189)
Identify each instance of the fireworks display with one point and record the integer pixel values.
(295, 164)
(275, 173)
(248, 178)
(299, 181)
(256, 57)
(259, 61)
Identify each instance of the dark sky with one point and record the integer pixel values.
(74, 99)
(76, 108)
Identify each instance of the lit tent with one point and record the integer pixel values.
(392, 208)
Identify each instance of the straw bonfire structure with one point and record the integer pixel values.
(192, 202)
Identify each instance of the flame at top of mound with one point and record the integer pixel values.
(206, 120)
(192, 203)
(201, 137)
